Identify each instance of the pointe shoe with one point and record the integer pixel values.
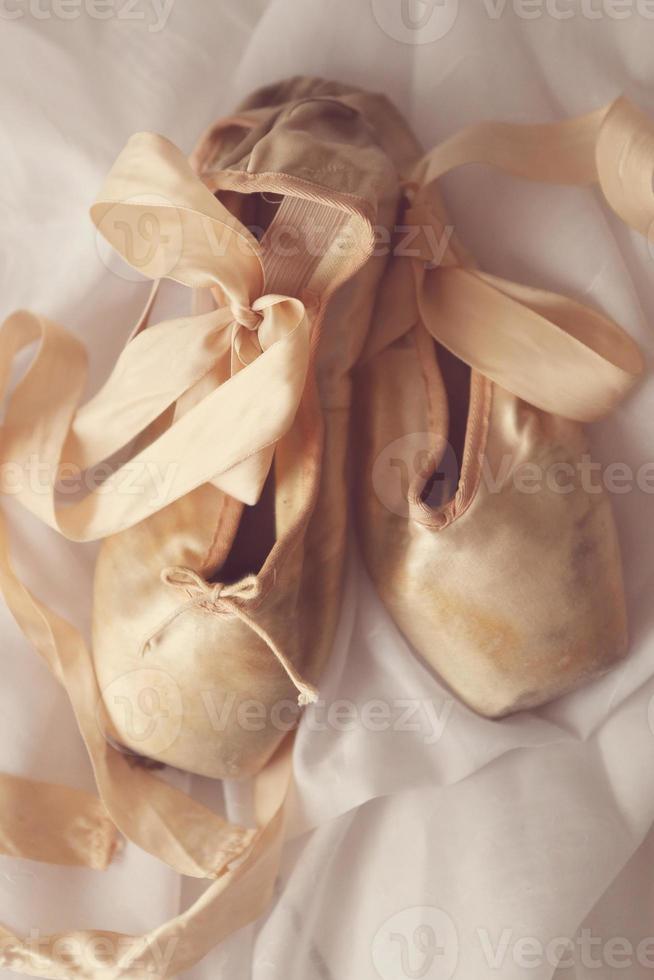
(494, 555)
(217, 613)
(223, 511)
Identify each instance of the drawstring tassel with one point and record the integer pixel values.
(226, 600)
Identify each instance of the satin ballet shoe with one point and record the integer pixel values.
(489, 543)
(220, 501)
(217, 612)
(223, 510)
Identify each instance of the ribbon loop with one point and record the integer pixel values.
(552, 352)
(162, 219)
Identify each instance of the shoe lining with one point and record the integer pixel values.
(443, 483)
(295, 236)
(255, 536)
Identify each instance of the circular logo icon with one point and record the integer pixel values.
(419, 463)
(418, 943)
(146, 709)
(140, 237)
(416, 21)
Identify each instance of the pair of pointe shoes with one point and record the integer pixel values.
(335, 308)
(460, 383)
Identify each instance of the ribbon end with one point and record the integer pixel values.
(308, 695)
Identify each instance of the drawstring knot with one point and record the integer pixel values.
(225, 600)
(213, 596)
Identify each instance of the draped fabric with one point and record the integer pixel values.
(42, 420)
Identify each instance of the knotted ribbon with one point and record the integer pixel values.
(613, 147)
(547, 349)
(228, 436)
(160, 217)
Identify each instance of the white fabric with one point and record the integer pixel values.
(505, 835)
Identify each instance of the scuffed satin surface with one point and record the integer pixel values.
(240, 893)
(513, 594)
(487, 835)
(301, 578)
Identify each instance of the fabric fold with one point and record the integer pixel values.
(163, 221)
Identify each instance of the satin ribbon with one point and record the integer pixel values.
(56, 824)
(547, 349)
(263, 344)
(613, 147)
(227, 438)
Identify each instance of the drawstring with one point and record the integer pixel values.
(225, 600)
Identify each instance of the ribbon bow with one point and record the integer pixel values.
(164, 222)
(226, 600)
(160, 218)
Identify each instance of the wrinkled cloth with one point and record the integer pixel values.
(417, 827)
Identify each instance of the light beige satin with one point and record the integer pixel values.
(612, 147)
(231, 425)
(228, 435)
(514, 596)
(229, 431)
(232, 430)
(554, 353)
(211, 659)
(547, 349)
(56, 824)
